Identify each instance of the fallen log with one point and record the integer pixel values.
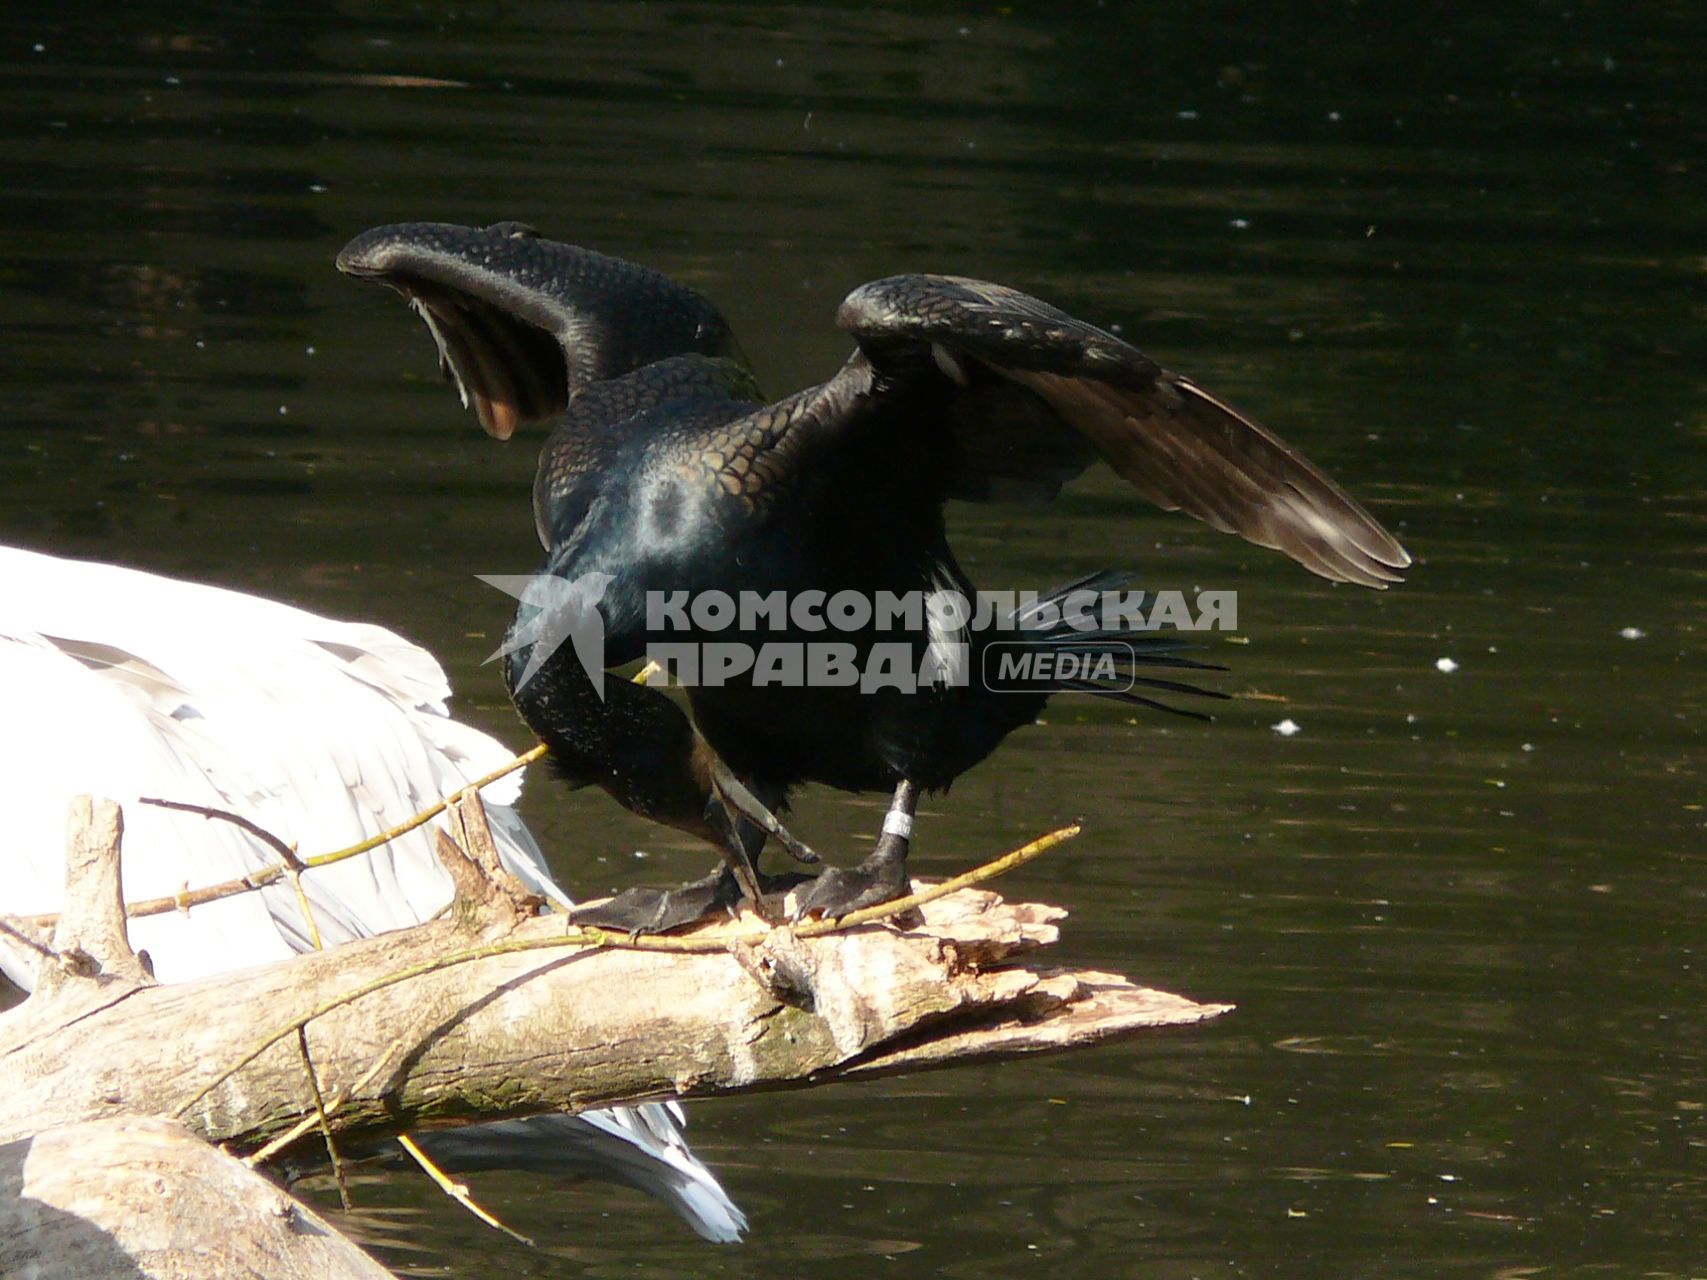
(563, 1027)
(495, 1012)
(141, 1196)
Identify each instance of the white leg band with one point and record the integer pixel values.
(896, 823)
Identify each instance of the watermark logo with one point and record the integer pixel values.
(554, 610)
(908, 641)
(1014, 666)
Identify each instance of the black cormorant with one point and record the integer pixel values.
(669, 476)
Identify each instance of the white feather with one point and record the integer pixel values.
(123, 684)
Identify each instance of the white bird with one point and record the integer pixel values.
(124, 684)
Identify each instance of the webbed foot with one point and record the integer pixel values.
(640, 910)
(841, 890)
(881, 878)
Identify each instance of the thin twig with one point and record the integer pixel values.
(295, 878)
(290, 1135)
(457, 1191)
(696, 945)
(432, 811)
(597, 939)
(338, 1099)
(278, 846)
(320, 1115)
(18, 935)
(446, 961)
(293, 865)
(188, 898)
(185, 899)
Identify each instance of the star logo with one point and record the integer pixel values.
(554, 610)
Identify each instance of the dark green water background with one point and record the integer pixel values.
(1454, 252)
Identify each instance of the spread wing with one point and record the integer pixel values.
(1031, 396)
(522, 322)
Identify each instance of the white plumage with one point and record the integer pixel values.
(124, 684)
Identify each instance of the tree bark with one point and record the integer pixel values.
(429, 1042)
(140, 1196)
(564, 1028)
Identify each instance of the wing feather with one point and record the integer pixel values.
(1069, 384)
(522, 322)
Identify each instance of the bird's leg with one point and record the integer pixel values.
(642, 749)
(739, 802)
(883, 873)
(741, 840)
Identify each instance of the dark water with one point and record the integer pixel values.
(1455, 255)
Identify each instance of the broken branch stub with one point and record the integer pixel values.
(90, 941)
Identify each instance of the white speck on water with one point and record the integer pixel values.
(1633, 633)
(1239, 224)
(1287, 727)
(1187, 115)
(1446, 664)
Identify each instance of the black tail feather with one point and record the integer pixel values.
(1112, 652)
(1126, 649)
(1131, 699)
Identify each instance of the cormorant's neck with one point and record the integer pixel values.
(633, 742)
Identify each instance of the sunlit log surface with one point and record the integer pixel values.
(140, 1196)
(570, 1027)
(489, 1014)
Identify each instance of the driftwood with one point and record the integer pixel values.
(141, 1196)
(488, 1014)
